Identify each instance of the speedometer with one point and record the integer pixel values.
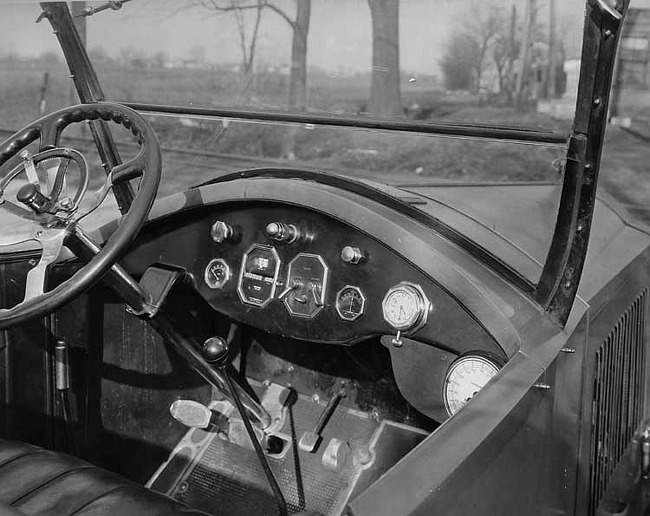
(465, 377)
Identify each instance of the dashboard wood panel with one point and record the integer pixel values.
(185, 240)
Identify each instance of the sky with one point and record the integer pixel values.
(340, 34)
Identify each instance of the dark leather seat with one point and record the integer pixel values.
(38, 481)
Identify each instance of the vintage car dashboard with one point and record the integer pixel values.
(295, 272)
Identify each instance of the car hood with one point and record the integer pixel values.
(512, 221)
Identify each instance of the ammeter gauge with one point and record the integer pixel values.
(406, 307)
(465, 377)
(350, 303)
(217, 273)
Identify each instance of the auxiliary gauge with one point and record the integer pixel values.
(217, 273)
(465, 377)
(406, 307)
(350, 303)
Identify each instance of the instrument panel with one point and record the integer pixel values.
(296, 272)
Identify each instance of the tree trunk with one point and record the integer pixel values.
(298, 72)
(298, 77)
(385, 99)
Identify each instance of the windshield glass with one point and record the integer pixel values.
(509, 63)
(416, 59)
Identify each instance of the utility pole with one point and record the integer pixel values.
(513, 51)
(551, 76)
(524, 55)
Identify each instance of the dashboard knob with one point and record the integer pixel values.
(351, 254)
(282, 232)
(221, 231)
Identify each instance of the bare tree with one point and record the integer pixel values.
(483, 30)
(385, 97)
(300, 28)
(485, 41)
(247, 37)
(126, 54)
(458, 61)
(299, 24)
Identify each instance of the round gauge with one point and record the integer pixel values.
(465, 377)
(217, 273)
(350, 303)
(406, 307)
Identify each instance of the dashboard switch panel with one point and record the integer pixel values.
(307, 283)
(258, 275)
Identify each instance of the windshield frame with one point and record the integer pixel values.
(557, 287)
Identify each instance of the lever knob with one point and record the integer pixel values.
(31, 196)
(215, 350)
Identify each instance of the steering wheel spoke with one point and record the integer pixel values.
(52, 241)
(92, 201)
(132, 169)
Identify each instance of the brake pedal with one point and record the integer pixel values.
(309, 440)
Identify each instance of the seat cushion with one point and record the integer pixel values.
(38, 481)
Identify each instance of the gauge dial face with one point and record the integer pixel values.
(466, 376)
(307, 277)
(258, 275)
(217, 273)
(406, 307)
(350, 303)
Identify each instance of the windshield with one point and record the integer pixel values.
(462, 63)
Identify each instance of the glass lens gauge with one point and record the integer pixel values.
(307, 276)
(406, 307)
(217, 273)
(465, 377)
(258, 275)
(350, 303)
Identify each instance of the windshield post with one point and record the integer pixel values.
(89, 90)
(558, 284)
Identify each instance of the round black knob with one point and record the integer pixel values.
(31, 196)
(215, 350)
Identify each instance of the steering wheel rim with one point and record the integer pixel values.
(147, 164)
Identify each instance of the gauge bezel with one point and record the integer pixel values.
(276, 273)
(326, 270)
(423, 307)
(473, 356)
(338, 306)
(217, 285)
